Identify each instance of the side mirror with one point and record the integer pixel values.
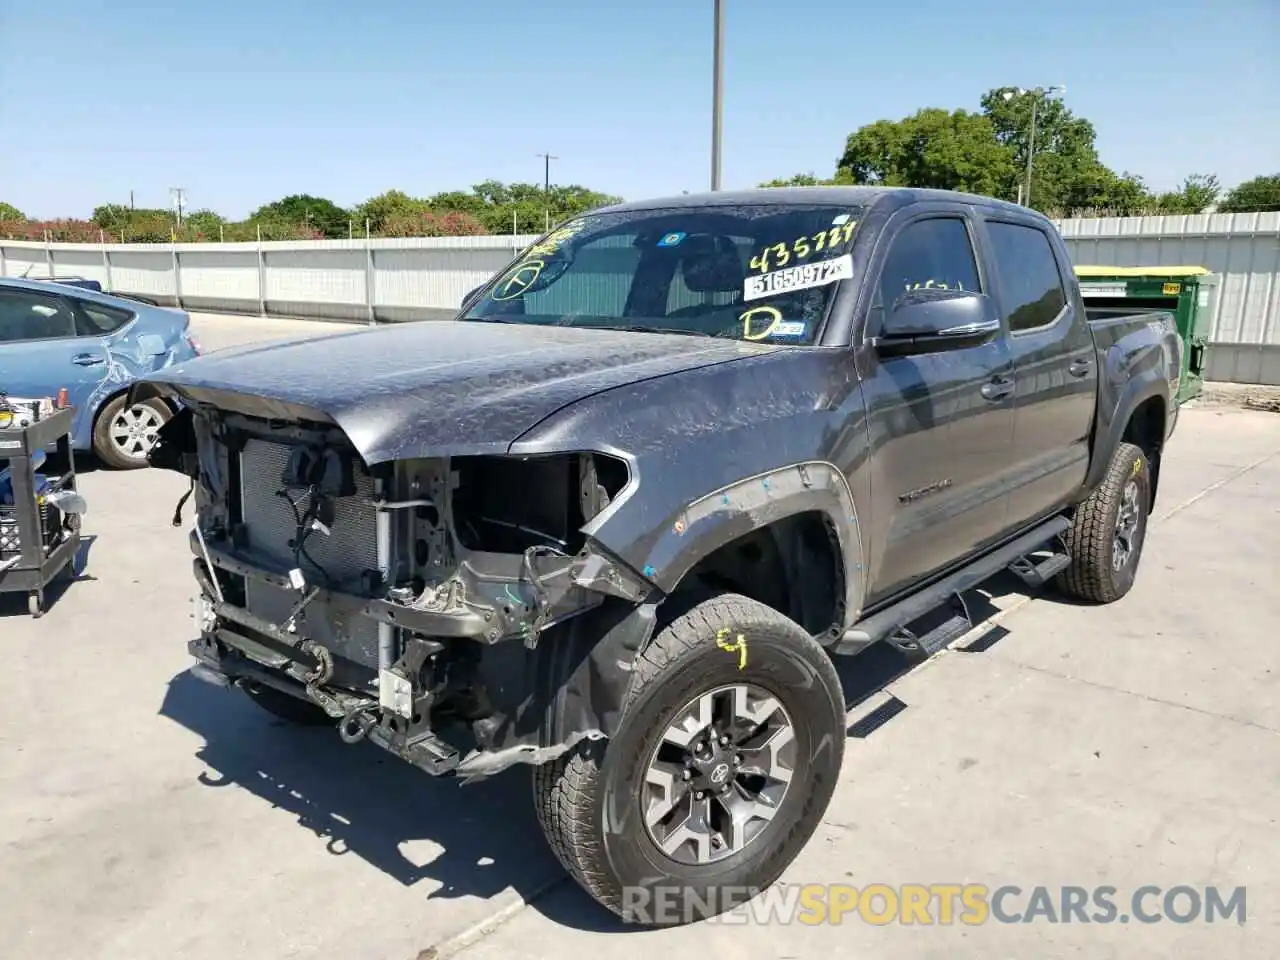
(931, 320)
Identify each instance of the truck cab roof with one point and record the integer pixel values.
(886, 199)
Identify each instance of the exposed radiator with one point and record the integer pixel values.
(350, 549)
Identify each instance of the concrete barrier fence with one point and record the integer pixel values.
(425, 278)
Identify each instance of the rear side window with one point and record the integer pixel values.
(96, 319)
(929, 254)
(1031, 291)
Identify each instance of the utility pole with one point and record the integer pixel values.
(130, 199)
(179, 196)
(717, 92)
(1025, 192)
(546, 184)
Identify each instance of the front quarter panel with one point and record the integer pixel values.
(717, 452)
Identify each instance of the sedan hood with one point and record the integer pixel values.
(436, 388)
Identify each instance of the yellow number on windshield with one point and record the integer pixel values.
(784, 255)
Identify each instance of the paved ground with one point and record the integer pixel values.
(144, 814)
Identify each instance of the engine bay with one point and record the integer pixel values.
(386, 596)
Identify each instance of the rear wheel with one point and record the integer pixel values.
(124, 434)
(1107, 535)
(725, 758)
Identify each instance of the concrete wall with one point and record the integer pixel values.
(426, 278)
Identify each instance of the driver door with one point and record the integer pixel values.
(941, 422)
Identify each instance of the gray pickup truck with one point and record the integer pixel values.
(616, 518)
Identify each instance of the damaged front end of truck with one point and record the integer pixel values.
(455, 610)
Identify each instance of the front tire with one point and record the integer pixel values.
(123, 435)
(1108, 532)
(724, 760)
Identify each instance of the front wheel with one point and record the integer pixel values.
(1109, 529)
(724, 760)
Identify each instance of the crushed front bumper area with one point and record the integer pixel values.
(455, 699)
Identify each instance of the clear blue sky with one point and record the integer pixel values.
(244, 101)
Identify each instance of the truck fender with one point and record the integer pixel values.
(732, 511)
(1113, 423)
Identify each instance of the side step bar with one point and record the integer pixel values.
(889, 623)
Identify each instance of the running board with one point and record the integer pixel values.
(1035, 574)
(890, 621)
(949, 625)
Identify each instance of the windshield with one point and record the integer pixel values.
(762, 272)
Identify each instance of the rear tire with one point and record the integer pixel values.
(123, 435)
(1106, 538)
(600, 804)
(286, 707)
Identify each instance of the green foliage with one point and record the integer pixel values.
(986, 153)
(843, 177)
(931, 148)
(315, 213)
(1256, 195)
(11, 214)
(1196, 194)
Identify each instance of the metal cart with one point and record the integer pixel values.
(37, 540)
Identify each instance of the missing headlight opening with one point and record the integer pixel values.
(383, 596)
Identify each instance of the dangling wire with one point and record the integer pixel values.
(304, 521)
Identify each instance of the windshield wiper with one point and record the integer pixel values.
(643, 329)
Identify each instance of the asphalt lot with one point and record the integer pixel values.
(144, 814)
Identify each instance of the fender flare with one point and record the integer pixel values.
(734, 510)
(1135, 393)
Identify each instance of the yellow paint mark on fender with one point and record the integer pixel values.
(738, 645)
(775, 318)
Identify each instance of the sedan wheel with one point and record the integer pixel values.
(125, 434)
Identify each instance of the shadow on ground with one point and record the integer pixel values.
(360, 801)
(14, 603)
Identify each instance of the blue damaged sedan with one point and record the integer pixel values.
(55, 336)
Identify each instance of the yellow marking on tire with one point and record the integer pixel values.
(738, 645)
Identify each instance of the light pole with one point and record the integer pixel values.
(546, 185)
(1036, 93)
(717, 92)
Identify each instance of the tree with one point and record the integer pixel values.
(931, 148)
(314, 213)
(11, 214)
(843, 176)
(1196, 194)
(394, 204)
(202, 225)
(1257, 195)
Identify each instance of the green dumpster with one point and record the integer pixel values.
(1189, 293)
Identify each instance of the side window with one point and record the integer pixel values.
(934, 253)
(33, 316)
(97, 320)
(1031, 291)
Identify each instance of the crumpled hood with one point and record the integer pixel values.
(436, 388)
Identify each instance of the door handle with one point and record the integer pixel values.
(997, 388)
(1080, 368)
(87, 359)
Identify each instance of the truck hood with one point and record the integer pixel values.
(435, 388)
